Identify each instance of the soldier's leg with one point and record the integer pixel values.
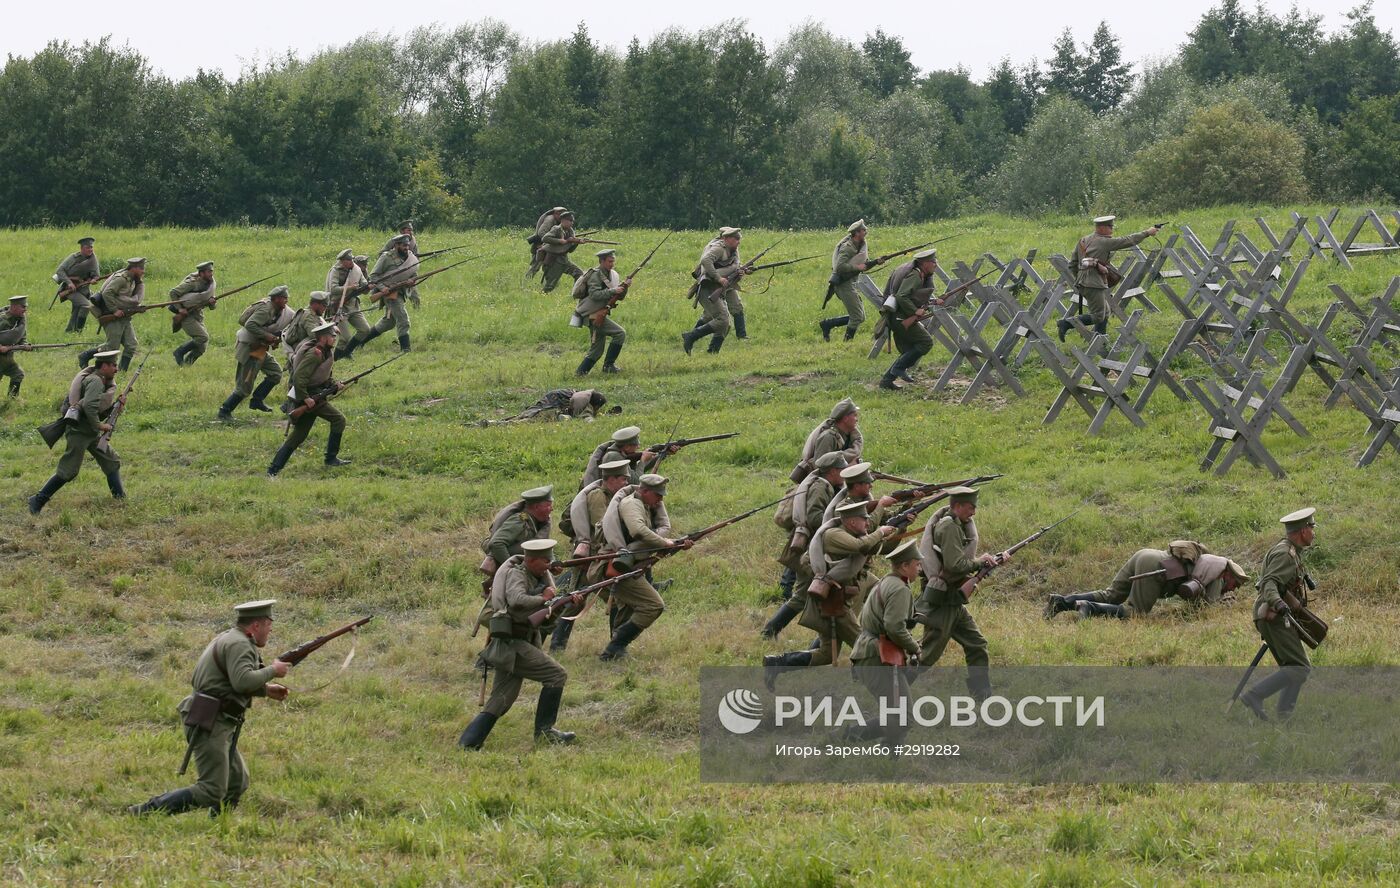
(112, 333)
(1142, 596)
(792, 607)
(889, 685)
(735, 304)
(646, 605)
(111, 466)
(938, 629)
(199, 340)
(536, 665)
(212, 761)
(399, 312)
(78, 315)
(1097, 306)
(272, 374)
(845, 632)
(505, 688)
(616, 337)
(301, 427)
(75, 445)
(1294, 665)
(717, 313)
(330, 414)
(855, 307)
(552, 272)
(128, 342)
(974, 644)
(237, 774)
(596, 344)
(11, 369)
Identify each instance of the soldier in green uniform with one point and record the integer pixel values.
(857, 482)
(522, 586)
(1184, 570)
(559, 404)
(547, 220)
(804, 515)
(395, 268)
(839, 432)
(838, 561)
(121, 293)
(13, 329)
(948, 549)
(848, 261)
(406, 230)
(885, 621)
(583, 522)
(228, 675)
(906, 307)
(260, 327)
(84, 418)
(195, 293)
(77, 268)
(304, 321)
(525, 519)
(1283, 574)
(718, 274)
(554, 250)
(1090, 261)
(595, 292)
(311, 377)
(343, 276)
(635, 520)
(625, 443)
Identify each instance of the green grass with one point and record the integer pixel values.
(103, 608)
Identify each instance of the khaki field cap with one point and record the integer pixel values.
(906, 551)
(278, 291)
(255, 609)
(858, 474)
(344, 254)
(929, 254)
(138, 262)
(400, 241)
(726, 231)
(828, 461)
(605, 253)
(320, 296)
(204, 266)
(538, 548)
(843, 407)
(855, 509)
(19, 298)
(106, 357)
(616, 468)
(362, 259)
(858, 225)
(655, 483)
(407, 223)
(324, 328)
(1299, 519)
(962, 494)
(627, 435)
(85, 241)
(567, 214)
(539, 494)
(1104, 220)
(557, 210)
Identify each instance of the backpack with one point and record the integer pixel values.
(580, 289)
(248, 312)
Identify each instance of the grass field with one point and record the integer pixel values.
(103, 608)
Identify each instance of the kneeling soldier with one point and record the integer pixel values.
(1283, 575)
(1185, 570)
(85, 412)
(521, 586)
(311, 383)
(228, 675)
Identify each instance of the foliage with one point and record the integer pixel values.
(1059, 163)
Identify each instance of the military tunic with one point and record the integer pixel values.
(395, 268)
(844, 259)
(253, 353)
(77, 267)
(304, 320)
(888, 611)
(642, 462)
(410, 293)
(949, 552)
(845, 567)
(231, 668)
(717, 300)
(913, 340)
(122, 292)
(513, 527)
(93, 398)
(1089, 281)
(630, 524)
(518, 655)
(347, 308)
(598, 290)
(555, 250)
(311, 374)
(12, 332)
(1282, 572)
(195, 295)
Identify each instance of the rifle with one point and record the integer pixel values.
(1244, 680)
(31, 347)
(320, 399)
(430, 254)
(177, 320)
(767, 265)
(585, 240)
(64, 292)
(648, 558)
(577, 596)
(302, 651)
(838, 279)
(741, 271)
(906, 517)
(132, 312)
(104, 440)
(587, 233)
(921, 490)
(686, 442)
(934, 297)
(416, 280)
(598, 316)
(970, 584)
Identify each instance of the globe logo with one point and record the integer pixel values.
(740, 711)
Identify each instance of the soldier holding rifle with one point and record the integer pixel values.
(555, 246)
(74, 276)
(1278, 609)
(119, 299)
(13, 329)
(194, 294)
(88, 418)
(312, 388)
(910, 288)
(260, 327)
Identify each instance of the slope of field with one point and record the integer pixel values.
(103, 608)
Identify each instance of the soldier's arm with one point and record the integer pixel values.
(853, 452)
(707, 267)
(633, 516)
(62, 273)
(91, 400)
(380, 265)
(180, 290)
(498, 547)
(243, 673)
(1275, 577)
(517, 593)
(556, 240)
(817, 501)
(1128, 240)
(598, 289)
(14, 335)
(259, 320)
(947, 536)
(897, 604)
(303, 371)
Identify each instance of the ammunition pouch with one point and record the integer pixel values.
(203, 710)
(892, 654)
(500, 626)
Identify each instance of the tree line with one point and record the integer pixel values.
(475, 126)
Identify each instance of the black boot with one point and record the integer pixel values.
(77, 319)
(610, 359)
(979, 682)
(404, 343)
(344, 351)
(333, 450)
(175, 802)
(584, 366)
(850, 333)
(1101, 327)
(475, 734)
(545, 714)
(1058, 604)
(85, 357)
(887, 382)
(192, 355)
(690, 337)
(14, 387)
(741, 329)
(775, 665)
(1064, 325)
(262, 391)
(830, 324)
(125, 363)
(1099, 609)
(781, 617)
(617, 647)
(38, 500)
(114, 484)
(560, 639)
(279, 459)
(226, 408)
(180, 353)
(716, 343)
(700, 322)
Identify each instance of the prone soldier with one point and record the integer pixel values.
(1184, 569)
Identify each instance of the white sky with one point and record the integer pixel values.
(180, 37)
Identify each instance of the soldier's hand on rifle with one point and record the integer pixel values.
(886, 501)
(888, 530)
(104, 426)
(119, 313)
(280, 667)
(275, 691)
(4, 349)
(1282, 610)
(574, 240)
(683, 543)
(989, 560)
(309, 402)
(548, 593)
(581, 550)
